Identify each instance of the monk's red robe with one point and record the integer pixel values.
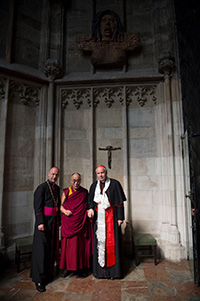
(76, 231)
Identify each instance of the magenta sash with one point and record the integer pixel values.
(50, 211)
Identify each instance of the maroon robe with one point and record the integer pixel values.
(76, 231)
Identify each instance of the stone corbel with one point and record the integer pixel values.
(166, 64)
(52, 69)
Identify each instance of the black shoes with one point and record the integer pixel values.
(83, 273)
(64, 273)
(40, 287)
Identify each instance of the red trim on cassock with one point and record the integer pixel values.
(110, 238)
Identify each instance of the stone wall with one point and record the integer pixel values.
(51, 31)
(81, 108)
(19, 109)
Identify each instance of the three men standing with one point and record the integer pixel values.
(104, 205)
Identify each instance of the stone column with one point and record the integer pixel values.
(127, 226)
(93, 141)
(52, 71)
(40, 139)
(169, 234)
(4, 88)
(126, 155)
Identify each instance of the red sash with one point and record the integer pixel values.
(110, 237)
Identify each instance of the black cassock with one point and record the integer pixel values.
(45, 243)
(116, 198)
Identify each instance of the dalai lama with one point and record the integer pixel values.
(76, 229)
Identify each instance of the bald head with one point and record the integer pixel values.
(53, 174)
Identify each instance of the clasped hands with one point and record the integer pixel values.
(68, 212)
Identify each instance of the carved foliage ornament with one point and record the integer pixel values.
(142, 94)
(52, 69)
(166, 64)
(109, 95)
(27, 94)
(76, 96)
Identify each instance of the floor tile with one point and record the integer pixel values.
(145, 282)
(179, 275)
(157, 275)
(161, 289)
(79, 285)
(187, 289)
(135, 288)
(107, 290)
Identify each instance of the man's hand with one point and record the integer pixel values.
(120, 222)
(41, 227)
(90, 213)
(194, 211)
(68, 212)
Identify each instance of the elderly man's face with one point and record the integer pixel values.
(76, 181)
(108, 26)
(101, 174)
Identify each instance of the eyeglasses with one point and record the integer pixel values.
(74, 181)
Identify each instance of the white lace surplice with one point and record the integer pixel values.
(103, 204)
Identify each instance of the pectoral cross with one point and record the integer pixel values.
(109, 148)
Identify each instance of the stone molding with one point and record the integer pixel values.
(109, 95)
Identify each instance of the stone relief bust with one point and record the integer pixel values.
(108, 43)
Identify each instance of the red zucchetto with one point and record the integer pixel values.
(101, 166)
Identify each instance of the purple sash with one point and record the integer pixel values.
(50, 211)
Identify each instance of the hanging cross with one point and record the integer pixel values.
(109, 148)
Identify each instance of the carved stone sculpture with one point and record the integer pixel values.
(109, 44)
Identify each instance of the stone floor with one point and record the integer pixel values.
(166, 281)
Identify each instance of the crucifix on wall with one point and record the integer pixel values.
(109, 149)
